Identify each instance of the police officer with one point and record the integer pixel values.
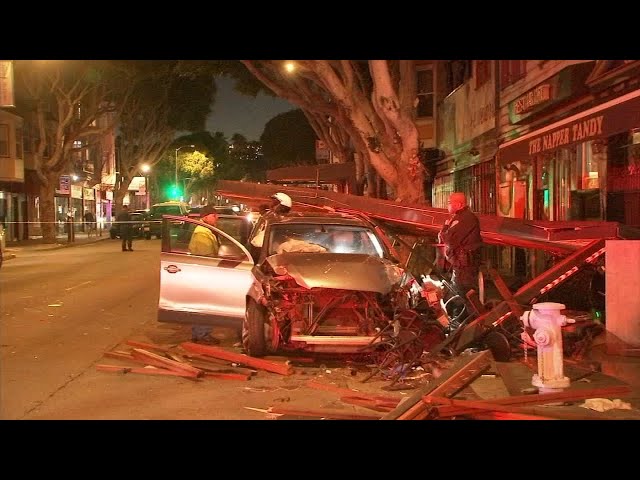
(462, 241)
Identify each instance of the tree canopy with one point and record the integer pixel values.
(357, 106)
(288, 139)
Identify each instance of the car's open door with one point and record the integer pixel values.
(197, 289)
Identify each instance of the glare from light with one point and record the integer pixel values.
(145, 168)
(290, 67)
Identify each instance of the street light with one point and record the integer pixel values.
(184, 186)
(177, 150)
(146, 169)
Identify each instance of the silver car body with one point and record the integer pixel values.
(304, 270)
(198, 289)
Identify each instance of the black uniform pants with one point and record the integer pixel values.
(465, 272)
(127, 238)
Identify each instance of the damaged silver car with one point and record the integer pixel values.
(321, 282)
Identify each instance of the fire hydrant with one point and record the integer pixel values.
(545, 318)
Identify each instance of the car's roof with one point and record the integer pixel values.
(170, 203)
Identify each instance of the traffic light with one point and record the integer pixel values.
(174, 191)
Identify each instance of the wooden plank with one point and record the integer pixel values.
(321, 414)
(494, 407)
(205, 358)
(280, 368)
(146, 346)
(372, 404)
(123, 356)
(214, 367)
(464, 370)
(505, 370)
(484, 415)
(350, 392)
(504, 291)
(444, 408)
(145, 371)
(159, 361)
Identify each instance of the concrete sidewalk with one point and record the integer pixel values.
(36, 244)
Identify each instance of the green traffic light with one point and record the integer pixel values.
(174, 191)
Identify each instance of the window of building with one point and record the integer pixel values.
(4, 141)
(28, 138)
(483, 72)
(587, 168)
(458, 72)
(511, 71)
(18, 142)
(424, 84)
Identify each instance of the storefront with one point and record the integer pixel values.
(584, 167)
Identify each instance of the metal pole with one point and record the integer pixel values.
(176, 179)
(146, 185)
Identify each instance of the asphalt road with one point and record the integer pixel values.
(62, 309)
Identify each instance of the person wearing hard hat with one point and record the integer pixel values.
(280, 205)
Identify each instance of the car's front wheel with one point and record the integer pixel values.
(253, 338)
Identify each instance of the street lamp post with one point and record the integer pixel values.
(184, 187)
(145, 169)
(177, 150)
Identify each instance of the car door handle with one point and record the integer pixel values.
(172, 269)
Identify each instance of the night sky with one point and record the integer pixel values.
(236, 113)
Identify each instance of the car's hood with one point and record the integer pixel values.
(348, 271)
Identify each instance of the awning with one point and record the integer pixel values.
(601, 121)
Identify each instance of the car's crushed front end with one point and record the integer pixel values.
(331, 302)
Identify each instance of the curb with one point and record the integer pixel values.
(35, 248)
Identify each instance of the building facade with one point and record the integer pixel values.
(13, 208)
(569, 145)
(570, 142)
(466, 133)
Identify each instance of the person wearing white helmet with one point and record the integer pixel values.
(280, 205)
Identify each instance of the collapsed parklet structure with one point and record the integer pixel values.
(575, 244)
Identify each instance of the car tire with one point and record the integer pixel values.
(253, 337)
(112, 235)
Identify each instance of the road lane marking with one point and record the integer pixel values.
(79, 285)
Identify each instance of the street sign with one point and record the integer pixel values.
(65, 185)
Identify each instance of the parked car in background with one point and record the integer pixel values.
(322, 282)
(158, 210)
(139, 226)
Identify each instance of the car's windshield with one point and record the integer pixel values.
(323, 238)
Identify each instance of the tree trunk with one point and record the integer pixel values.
(119, 195)
(48, 217)
(410, 185)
